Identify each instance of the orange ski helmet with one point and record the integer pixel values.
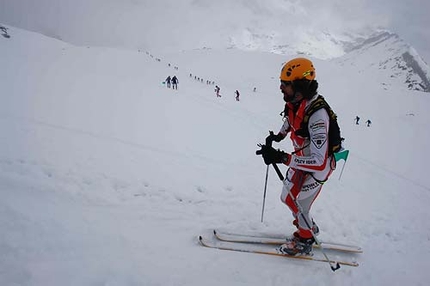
(298, 68)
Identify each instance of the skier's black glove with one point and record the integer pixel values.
(272, 137)
(271, 155)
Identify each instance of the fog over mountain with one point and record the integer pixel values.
(282, 27)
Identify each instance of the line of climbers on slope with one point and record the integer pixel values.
(173, 81)
(357, 121)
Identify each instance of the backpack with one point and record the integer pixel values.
(334, 137)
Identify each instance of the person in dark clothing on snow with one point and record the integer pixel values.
(237, 95)
(175, 82)
(357, 120)
(168, 79)
(368, 122)
(217, 89)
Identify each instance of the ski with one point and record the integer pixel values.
(278, 240)
(251, 248)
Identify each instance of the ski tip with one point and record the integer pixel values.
(201, 241)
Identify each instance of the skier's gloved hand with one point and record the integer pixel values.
(272, 137)
(271, 155)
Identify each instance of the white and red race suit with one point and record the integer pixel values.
(310, 163)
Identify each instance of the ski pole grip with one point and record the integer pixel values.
(269, 139)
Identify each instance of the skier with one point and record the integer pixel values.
(310, 165)
(368, 122)
(237, 95)
(217, 89)
(175, 82)
(168, 79)
(357, 119)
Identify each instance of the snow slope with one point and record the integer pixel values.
(107, 176)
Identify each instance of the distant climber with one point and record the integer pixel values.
(237, 95)
(217, 89)
(175, 82)
(368, 122)
(357, 120)
(168, 79)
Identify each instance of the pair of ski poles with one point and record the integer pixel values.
(333, 265)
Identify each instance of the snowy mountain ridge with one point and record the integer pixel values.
(397, 60)
(283, 27)
(305, 41)
(384, 51)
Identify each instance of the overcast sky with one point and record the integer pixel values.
(409, 19)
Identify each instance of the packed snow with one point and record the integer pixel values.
(107, 177)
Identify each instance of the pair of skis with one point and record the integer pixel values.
(251, 243)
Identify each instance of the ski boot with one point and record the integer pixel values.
(297, 246)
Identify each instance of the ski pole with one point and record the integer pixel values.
(341, 172)
(299, 207)
(268, 143)
(264, 194)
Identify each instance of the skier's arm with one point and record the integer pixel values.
(285, 128)
(281, 134)
(318, 126)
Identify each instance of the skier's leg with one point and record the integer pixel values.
(292, 186)
(309, 192)
(304, 189)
